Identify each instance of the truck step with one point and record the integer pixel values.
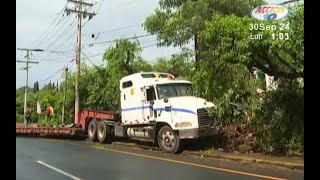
(142, 139)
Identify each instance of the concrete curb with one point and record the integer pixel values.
(246, 159)
(224, 157)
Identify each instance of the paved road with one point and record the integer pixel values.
(38, 158)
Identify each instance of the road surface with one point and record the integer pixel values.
(39, 159)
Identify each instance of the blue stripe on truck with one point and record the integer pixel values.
(159, 109)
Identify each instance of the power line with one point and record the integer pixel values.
(89, 19)
(60, 45)
(56, 33)
(58, 52)
(61, 35)
(152, 45)
(114, 29)
(60, 59)
(54, 30)
(88, 58)
(47, 30)
(111, 41)
(147, 42)
(99, 6)
(54, 74)
(146, 46)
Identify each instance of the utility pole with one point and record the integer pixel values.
(27, 74)
(64, 94)
(78, 9)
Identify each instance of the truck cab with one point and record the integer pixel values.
(159, 107)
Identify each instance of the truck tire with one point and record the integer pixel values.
(103, 132)
(92, 130)
(168, 140)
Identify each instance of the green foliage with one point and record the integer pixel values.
(19, 105)
(177, 22)
(180, 65)
(230, 56)
(225, 76)
(279, 122)
(232, 44)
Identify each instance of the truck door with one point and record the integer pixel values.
(148, 112)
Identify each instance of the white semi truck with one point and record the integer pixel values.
(155, 107)
(159, 108)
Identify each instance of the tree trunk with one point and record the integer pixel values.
(196, 49)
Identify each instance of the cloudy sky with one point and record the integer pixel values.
(41, 24)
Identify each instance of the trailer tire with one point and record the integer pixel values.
(168, 140)
(92, 130)
(103, 132)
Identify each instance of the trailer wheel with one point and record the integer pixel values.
(103, 132)
(168, 141)
(92, 130)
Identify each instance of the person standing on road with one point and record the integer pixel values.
(49, 112)
(28, 116)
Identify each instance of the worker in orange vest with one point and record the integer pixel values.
(49, 112)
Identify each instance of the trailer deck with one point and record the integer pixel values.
(33, 129)
(73, 130)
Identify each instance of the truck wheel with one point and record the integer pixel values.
(103, 132)
(92, 130)
(168, 141)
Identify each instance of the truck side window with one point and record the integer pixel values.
(151, 95)
(126, 84)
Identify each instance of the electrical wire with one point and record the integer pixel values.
(43, 35)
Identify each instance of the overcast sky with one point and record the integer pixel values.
(40, 24)
(114, 19)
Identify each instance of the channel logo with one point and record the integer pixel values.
(270, 12)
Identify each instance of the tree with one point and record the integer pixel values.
(180, 65)
(121, 60)
(279, 58)
(36, 86)
(178, 22)
(278, 116)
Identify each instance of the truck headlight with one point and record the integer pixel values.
(183, 124)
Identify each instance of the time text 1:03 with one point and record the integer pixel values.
(280, 36)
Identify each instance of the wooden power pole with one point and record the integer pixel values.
(27, 62)
(81, 13)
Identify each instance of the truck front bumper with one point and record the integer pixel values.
(197, 133)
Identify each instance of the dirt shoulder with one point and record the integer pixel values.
(286, 162)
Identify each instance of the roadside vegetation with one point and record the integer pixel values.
(221, 66)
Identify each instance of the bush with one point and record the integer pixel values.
(279, 123)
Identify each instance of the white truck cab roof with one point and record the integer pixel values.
(148, 78)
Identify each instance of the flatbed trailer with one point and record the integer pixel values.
(80, 129)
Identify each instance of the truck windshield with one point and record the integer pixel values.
(174, 90)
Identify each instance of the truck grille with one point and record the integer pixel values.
(203, 118)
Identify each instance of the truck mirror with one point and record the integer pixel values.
(165, 99)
